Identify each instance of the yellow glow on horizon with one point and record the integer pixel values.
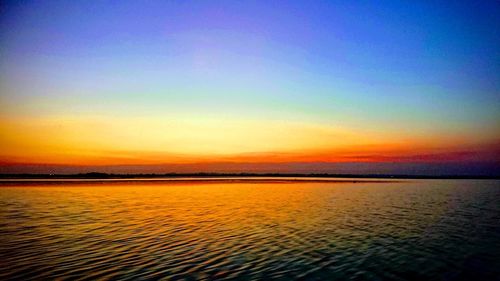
(99, 137)
(107, 140)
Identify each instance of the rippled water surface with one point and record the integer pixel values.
(407, 230)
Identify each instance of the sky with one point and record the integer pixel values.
(250, 86)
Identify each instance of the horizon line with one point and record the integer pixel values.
(100, 175)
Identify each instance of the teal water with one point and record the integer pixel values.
(250, 230)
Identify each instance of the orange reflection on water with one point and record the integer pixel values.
(207, 229)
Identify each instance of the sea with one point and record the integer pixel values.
(250, 229)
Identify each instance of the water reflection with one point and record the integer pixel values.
(280, 230)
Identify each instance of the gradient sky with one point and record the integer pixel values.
(96, 84)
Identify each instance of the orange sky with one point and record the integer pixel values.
(95, 141)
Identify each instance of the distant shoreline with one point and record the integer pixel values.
(227, 176)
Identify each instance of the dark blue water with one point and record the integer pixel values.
(409, 230)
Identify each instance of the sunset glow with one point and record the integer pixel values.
(200, 83)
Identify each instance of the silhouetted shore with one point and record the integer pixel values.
(96, 175)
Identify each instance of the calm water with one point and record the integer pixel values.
(409, 230)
